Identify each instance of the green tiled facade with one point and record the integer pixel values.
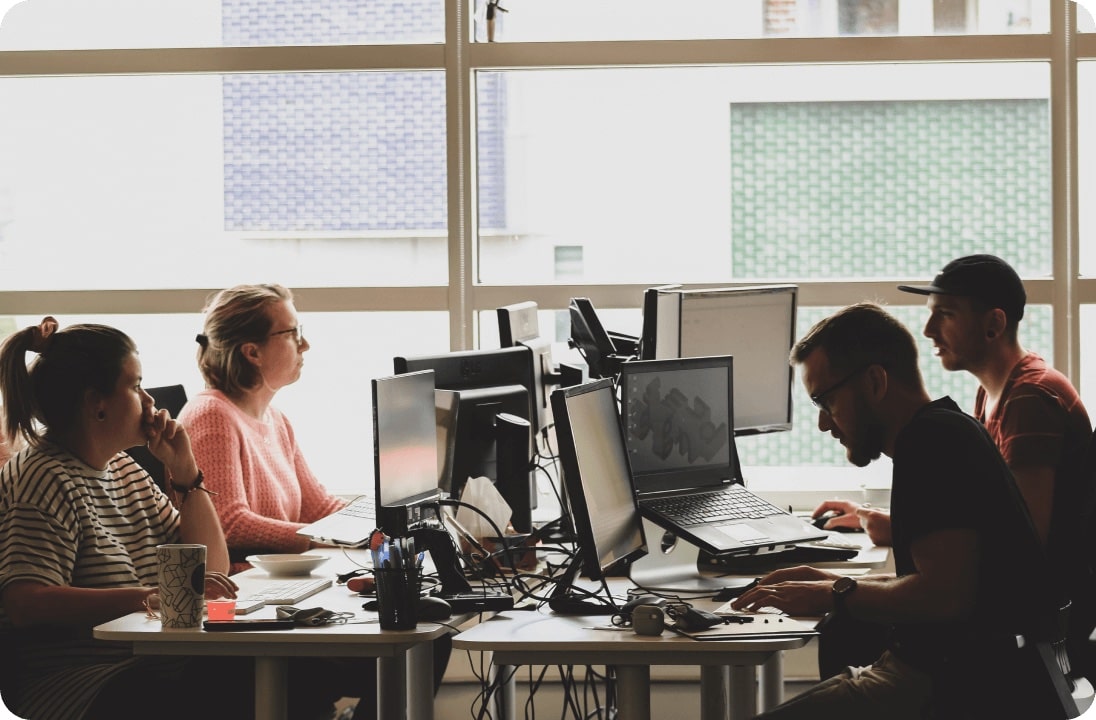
(866, 189)
(857, 189)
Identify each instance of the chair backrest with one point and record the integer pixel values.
(1082, 650)
(171, 398)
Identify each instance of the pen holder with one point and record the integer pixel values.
(397, 597)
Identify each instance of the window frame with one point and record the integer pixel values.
(459, 57)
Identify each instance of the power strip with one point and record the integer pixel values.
(478, 602)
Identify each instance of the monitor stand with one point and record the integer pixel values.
(675, 568)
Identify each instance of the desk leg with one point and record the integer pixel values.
(743, 692)
(633, 692)
(271, 678)
(506, 693)
(391, 678)
(772, 681)
(714, 692)
(420, 682)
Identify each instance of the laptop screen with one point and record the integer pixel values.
(677, 417)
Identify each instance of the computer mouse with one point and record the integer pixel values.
(434, 608)
(821, 521)
(627, 608)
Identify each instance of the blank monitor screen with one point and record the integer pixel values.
(605, 512)
(405, 443)
(755, 325)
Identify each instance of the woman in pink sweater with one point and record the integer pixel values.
(251, 347)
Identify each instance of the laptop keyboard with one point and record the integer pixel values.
(289, 592)
(730, 503)
(361, 507)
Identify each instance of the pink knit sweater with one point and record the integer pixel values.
(265, 488)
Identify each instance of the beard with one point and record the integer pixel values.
(865, 443)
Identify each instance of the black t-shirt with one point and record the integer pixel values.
(948, 474)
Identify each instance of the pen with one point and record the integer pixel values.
(606, 627)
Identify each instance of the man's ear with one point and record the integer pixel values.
(996, 321)
(879, 381)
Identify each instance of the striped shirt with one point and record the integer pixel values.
(63, 523)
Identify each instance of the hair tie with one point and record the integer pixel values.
(202, 340)
(42, 334)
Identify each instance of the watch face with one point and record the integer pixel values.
(844, 585)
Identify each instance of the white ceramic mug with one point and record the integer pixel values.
(181, 576)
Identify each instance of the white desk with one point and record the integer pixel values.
(404, 657)
(728, 667)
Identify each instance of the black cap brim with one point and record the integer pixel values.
(926, 290)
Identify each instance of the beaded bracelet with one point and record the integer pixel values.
(183, 491)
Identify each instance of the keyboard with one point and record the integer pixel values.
(363, 506)
(287, 592)
(731, 503)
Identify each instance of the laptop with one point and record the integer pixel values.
(678, 428)
(350, 526)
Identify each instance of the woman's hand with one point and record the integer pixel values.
(169, 442)
(219, 585)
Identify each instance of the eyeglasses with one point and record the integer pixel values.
(297, 331)
(819, 399)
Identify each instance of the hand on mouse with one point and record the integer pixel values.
(836, 515)
(876, 523)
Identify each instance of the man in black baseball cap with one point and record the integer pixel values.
(986, 279)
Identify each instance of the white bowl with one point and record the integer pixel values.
(287, 564)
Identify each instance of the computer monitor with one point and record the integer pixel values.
(405, 452)
(604, 510)
(489, 384)
(755, 325)
(519, 325)
(602, 350)
(648, 333)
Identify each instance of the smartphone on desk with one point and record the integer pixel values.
(248, 624)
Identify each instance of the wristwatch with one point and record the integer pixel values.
(842, 588)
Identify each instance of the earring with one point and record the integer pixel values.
(101, 415)
(991, 334)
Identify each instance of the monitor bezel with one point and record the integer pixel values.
(478, 376)
(660, 481)
(409, 512)
(595, 564)
(776, 425)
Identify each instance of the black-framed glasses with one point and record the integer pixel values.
(298, 334)
(819, 399)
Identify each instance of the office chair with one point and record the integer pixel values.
(1065, 696)
(171, 398)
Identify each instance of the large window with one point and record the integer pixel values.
(407, 176)
(693, 175)
(33, 25)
